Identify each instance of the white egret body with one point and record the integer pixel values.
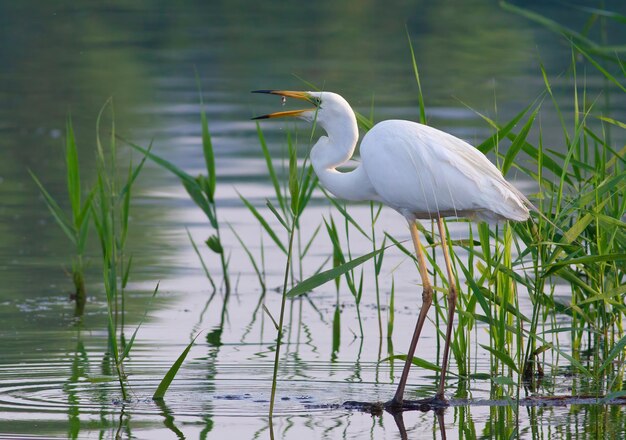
(419, 171)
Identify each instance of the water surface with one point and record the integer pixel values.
(60, 58)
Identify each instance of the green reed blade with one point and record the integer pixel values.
(307, 186)
(125, 214)
(309, 243)
(601, 69)
(518, 143)
(363, 122)
(191, 185)
(135, 172)
(557, 28)
(610, 221)
(555, 103)
(207, 148)
(323, 277)
(391, 308)
(602, 13)
(130, 343)
(85, 210)
(267, 311)
(477, 291)
(56, 211)
(280, 218)
(270, 167)
(613, 121)
(126, 272)
(204, 267)
(583, 260)
(264, 223)
(505, 132)
(502, 356)
(294, 191)
(420, 96)
(83, 230)
(73, 170)
(491, 142)
(503, 381)
(250, 257)
(171, 373)
(344, 213)
(616, 184)
(378, 262)
(417, 361)
(336, 329)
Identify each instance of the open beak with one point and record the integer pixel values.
(287, 94)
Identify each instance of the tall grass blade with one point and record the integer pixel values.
(73, 170)
(204, 267)
(518, 143)
(250, 257)
(503, 356)
(562, 30)
(420, 97)
(601, 69)
(417, 361)
(264, 223)
(613, 121)
(130, 343)
(190, 183)
(279, 217)
(294, 190)
(267, 311)
(344, 212)
(270, 167)
(207, 148)
(328, 275)
(171, 373)
(617, 350)
(55, 210)
(492, 142)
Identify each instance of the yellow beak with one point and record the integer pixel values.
(287, 94)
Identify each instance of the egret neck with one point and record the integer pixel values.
(336, 149)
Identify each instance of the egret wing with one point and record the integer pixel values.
(425, 172)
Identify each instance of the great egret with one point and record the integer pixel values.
(421, 172)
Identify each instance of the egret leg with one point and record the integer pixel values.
(427, 299)
(451, 307)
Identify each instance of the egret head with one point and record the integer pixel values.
(325, 106)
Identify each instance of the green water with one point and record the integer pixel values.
(60, 58)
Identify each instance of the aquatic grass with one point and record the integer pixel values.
(339, 259)
(578, 38)
(167, 379)
(128, 347)
(576, 238)
(75, 226)
(204, 266)
(260, 272)
(292, 198)
(378, 261)
(575, 204)
(201, 189)
(292, 210)
(111, 214)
